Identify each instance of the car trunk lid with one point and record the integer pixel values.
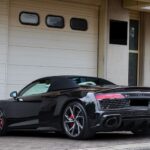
(124, 97)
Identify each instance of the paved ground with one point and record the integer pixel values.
(50, 141)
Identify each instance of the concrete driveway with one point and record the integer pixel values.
(50, 141)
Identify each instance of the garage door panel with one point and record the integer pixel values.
(37, 38)
(56, 53)
(29, 50)
(44, 29)
(3, 48)
(2, 73)
(2, 90)
(54, 60)
(53, 6)
(54, 44)
(41, 51)
(3, 58)
(50, 33)
(25, 74)
(89, 13)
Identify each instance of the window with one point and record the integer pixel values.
(133, 52)
(83, 81)
(29, 18)
(36, 88)
(79, 24)
(133, 65)
(133, 38)
(55, 21)
(118, 32)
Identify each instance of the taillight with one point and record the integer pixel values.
(109, 96)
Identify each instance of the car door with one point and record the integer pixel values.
(25, 109)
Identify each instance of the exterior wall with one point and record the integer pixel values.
(4, 4)
(146, 51)
(40, 51)
(117, 55)
(102, 41)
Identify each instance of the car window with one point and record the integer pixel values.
(77, 80)
(35, 88)
(90, 81)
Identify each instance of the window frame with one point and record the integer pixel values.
(50, 26)
(29, 12)
(83, 19)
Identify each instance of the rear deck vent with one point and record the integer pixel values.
(136, 102)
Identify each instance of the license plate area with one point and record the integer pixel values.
(139, 102)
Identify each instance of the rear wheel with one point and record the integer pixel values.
(75, 122)
(3, 127)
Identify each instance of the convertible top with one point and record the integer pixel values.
(65, 82)
(62, 83)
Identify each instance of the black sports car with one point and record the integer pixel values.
(78, 106)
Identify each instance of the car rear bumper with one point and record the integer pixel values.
(122, 120)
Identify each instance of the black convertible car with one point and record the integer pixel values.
(78, 106)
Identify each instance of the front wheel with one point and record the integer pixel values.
(75, 122)
(3, 127)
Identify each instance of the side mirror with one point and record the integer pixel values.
(14, 94)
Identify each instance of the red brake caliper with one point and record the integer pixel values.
(1, 123)
(72, 117)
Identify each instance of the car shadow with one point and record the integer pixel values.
(99, 136)
(117, 136)
(35, 134)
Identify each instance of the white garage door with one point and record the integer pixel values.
(37, 51)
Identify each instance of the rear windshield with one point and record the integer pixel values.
(89, 81)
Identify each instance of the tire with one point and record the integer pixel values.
(3, 126)
(75, 122)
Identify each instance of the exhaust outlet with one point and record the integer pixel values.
(112, 121)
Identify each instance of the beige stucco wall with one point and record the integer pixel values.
(117, 55)
(3, 46)
(146, 50)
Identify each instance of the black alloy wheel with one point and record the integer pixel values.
(75, 121)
